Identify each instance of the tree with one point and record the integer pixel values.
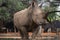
(49, 6)
(8, 7)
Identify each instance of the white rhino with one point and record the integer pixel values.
(29, 19)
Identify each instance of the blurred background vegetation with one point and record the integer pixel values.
(9, 7)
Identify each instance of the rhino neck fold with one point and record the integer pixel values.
(30, 16)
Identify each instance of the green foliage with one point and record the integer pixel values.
(16, 5)
(49, 9)
(4, 14)
(12, 7)
(52, 15)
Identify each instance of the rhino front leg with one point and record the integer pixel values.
(23, 33)
(34, 35)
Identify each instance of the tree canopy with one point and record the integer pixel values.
(8, 7)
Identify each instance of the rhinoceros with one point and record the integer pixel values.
(29, 19)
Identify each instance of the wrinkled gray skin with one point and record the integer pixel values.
(28, 20)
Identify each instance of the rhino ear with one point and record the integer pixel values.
(34, 2)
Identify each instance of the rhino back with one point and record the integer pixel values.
(21, 17)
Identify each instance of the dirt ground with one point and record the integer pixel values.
(16, 36)
(30, 34)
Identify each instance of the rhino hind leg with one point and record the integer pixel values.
(23, 33)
